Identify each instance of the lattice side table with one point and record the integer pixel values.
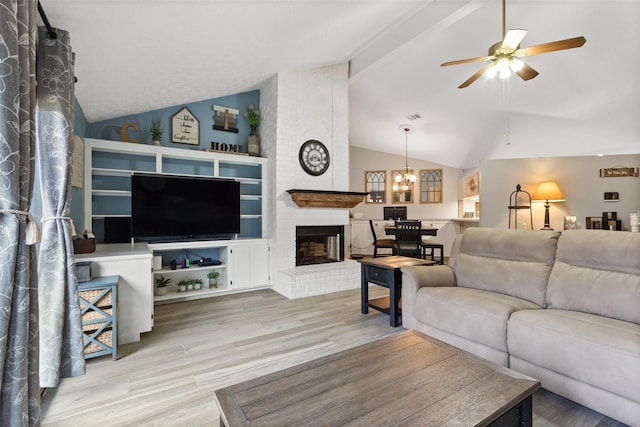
(99, 310)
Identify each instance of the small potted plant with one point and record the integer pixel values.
(253, 118)
(197, 283)
(161, 283)
(156, 131)
(182, 285)
(213, 278)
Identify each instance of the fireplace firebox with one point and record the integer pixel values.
(319, 244)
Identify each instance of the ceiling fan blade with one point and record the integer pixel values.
(512, 39)
(476, 76)
(526, 72)
(465, 61)
(551, 47)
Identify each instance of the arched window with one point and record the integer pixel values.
(375, 183)
(431, 186)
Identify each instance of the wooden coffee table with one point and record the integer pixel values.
(385, 271)
(405, 379)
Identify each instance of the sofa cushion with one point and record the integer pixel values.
(597, 272)
(511, 262)
(592, 349)
(473, 314)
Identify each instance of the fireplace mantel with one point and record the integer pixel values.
(326, 199)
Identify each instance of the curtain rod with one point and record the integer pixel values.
(52, 34)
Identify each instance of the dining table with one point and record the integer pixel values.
(424, 231)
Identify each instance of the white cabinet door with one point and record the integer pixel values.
(260, 264)
(240, 266)
(135, 287)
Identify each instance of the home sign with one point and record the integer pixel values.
(185, 128)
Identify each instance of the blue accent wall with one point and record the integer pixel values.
(80, 125)
(202, 110)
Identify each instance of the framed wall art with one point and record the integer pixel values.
(185, 128)
(594, 223)
(611, 196)
(569, 222)
(225, 118)
(618, 172)
(472, 185)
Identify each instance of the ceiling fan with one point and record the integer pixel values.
(504, 56)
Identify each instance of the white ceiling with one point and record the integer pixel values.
(139, 55)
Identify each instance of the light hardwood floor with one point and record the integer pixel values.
(196, 347)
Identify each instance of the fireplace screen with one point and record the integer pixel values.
(319, 244)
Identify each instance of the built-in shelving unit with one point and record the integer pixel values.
(108, 166)
(244, 264)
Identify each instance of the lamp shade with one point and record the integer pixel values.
(549, 192)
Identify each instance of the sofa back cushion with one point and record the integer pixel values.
(598, 272)
(511, 262)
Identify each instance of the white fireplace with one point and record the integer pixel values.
(319, 244)
(297, 106)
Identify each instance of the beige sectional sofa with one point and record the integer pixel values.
(562, 307)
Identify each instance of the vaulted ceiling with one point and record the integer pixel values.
(139, 55)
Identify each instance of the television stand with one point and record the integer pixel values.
(242, 265)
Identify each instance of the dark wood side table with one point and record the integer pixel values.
(385, 271)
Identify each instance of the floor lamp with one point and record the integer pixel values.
(548, 192)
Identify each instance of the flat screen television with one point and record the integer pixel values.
(175, 207)
(395, 212)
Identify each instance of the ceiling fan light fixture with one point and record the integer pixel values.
(491, 71)
(503, 68)
(516, 65)
(503, 56)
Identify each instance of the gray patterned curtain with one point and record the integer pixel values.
(61, 348)
(20, 391)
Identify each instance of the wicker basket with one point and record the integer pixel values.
(94, 315)
(105, 338)
(84, 246)
(91, 295)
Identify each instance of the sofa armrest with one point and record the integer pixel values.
(414, 278)
(419, 276)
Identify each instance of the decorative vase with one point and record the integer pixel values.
(253, 142)
(213, 283)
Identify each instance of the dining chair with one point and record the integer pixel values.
(429, 248)
(408, 238)
(381, 243)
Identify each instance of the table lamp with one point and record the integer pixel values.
(548, 192)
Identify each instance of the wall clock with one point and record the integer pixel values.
(314, 157)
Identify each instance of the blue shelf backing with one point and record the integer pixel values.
(236, 170)
(123, 161)
(187, 166)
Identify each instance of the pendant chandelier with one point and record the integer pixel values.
(404, 181)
